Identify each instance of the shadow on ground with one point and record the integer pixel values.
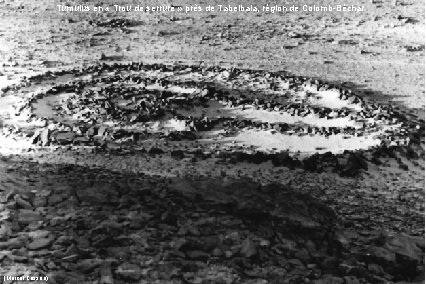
(79, 225)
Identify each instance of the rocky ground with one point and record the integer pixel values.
(80, 225)
(212, 147)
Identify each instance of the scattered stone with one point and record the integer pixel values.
(14, 243)
(129, 271)
(26, 217)
(40, 243)
(248, 248)
(44, 137)
(105, 274)
(197, 254)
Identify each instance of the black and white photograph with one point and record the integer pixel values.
(212, 142)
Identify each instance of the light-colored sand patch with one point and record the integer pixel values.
(11, 145)
(174, 89)
(7, 103)
(171, 124)
(217, 109)
(4, 81)
(284, 117)
(330, 99)
(177, 89)
(44, 106)
(9, 114)
(267, 141)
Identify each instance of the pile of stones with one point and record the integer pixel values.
(115, 23)
(122, 94)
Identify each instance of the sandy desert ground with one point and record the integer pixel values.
(212, 147)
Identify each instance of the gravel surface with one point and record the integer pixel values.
(212, 147)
